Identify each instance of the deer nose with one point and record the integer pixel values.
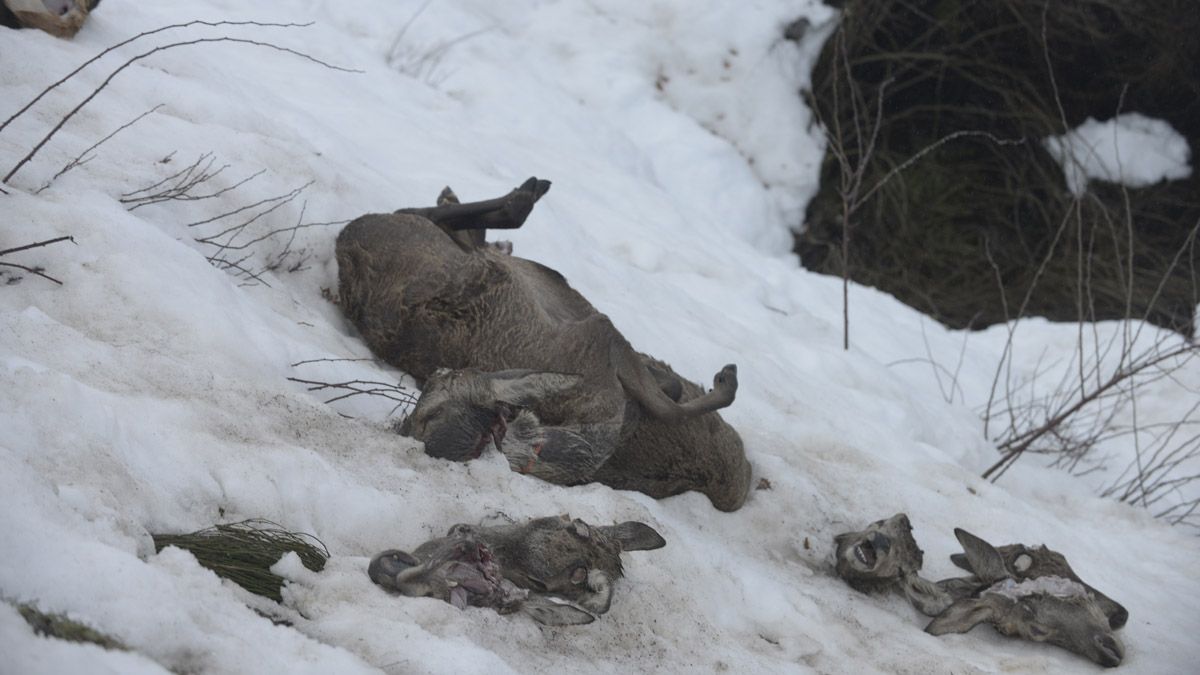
(1118, 618)
(386, 566)
(1108, 651)
(881, 543)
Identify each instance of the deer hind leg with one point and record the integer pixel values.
(467, 240)
(502, 213)
(466, 224)
(641, 384)
(668, 382)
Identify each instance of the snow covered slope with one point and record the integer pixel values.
(149, 392)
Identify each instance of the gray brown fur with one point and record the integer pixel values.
(508, 354)
(558, 570)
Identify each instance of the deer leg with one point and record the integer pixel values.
(667, 382)
(642, 386)
(502, 213)
(467, 240)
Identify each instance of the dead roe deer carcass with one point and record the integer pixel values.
(558, 570)
(1060, 610)
(1022, 591)
(62, 18)
(1023, 562)
(509, 355)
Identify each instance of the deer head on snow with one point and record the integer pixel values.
(1028, 592)
(558, 570)
(1038, 598)
(884, 557)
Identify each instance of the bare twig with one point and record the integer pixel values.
(341, 360)
(392, 392)
(97, 57)
(185, 180)
(82, 158)
(276, 201)
(404, 29)
(1022, 441)
(32, 270)
(423, 63)
(146, 54)
(38, 244)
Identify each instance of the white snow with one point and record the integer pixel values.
(1130, 149)
(149, 392)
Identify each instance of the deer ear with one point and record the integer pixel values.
(635, 536)
(961, 617)
(960, 561)
(984, 560)
(526, 387)
(554, 612)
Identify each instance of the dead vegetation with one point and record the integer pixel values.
(942, 83)
(244, 552)
(35, 270)
(937, 188)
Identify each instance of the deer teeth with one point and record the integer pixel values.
(858, 553)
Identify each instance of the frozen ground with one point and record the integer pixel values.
(149, 392)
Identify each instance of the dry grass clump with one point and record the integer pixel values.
(244, 552)
(60, 627)
(982, 223)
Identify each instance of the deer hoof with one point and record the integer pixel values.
(726, 380)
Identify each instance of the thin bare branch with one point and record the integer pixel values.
(146, 54)
(32, 270)
(83, 158)
(97, 57)
(38, 244)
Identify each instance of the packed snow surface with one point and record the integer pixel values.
(150, 392)
(1130, 149)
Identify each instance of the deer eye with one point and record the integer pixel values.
(579, 576)
(1037, 632)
